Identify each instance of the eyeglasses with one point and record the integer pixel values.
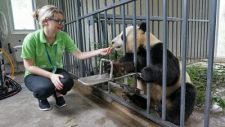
(59, 21)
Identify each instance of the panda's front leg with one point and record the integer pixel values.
(152, 74)
(122, 68)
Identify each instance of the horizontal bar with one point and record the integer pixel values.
(102, 10)
(151, 18)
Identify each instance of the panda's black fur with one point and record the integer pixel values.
(153, 74)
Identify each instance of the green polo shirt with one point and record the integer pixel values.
(36, 48)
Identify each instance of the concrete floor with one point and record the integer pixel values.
(82, 110)
(21, 110)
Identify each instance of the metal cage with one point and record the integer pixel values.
(187, 28)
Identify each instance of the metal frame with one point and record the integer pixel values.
(187, 28)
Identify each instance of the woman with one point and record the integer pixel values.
(42, 53)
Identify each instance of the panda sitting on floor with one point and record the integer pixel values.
(153, 73)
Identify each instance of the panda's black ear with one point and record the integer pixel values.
(143, 26)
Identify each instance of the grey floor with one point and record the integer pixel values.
(21, 110)
(82, 110)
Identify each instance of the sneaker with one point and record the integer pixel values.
(44, 105)
(60, 102)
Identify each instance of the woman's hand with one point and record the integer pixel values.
(55, 80)
(105, 51)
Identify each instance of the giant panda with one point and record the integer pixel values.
(153, 73)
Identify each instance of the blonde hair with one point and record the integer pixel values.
(46, 11)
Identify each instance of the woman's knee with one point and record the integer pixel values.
(67, 80)
(67, 84)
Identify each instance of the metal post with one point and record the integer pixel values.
(135, 35)
(79, 34)
(148, 52)
(185, 7)
(211, 43)
(165, 38)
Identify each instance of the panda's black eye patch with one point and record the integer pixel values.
(122, 37)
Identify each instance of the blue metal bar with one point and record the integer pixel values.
(185, 7)
(211, 43)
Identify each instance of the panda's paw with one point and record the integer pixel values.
(106, 67)
(146, 74)
(118, 69)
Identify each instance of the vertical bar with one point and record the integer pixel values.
(207, 29)
(119, 13)
(124, 29)
(177, 29)
(158, 21)
(127, 9)
(89, 40)
(93, 27)
(183, 57)
(72, 14)
(153, 15)
(203, 33)
(66, 58)
(193, 28)
(165, 38)
(87, 69)
(86, 4)
(79, 34)
(140, 8)
(135, 36)
(152, 8)
(106, 28)
(73, 31)
(189, 32)
(204, 29)
(180, 28)
(99, 25)
(211, 42)
(173, 26)
(148, 53)
(114, 21)
(197, 28)
(200, 23)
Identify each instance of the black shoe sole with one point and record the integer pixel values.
(61, 105)
(46, 109)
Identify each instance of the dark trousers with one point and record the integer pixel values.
(43, 87)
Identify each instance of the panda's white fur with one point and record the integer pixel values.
(118, 42)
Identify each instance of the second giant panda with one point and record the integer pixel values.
(153, 73)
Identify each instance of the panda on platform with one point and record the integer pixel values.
(153, 73)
